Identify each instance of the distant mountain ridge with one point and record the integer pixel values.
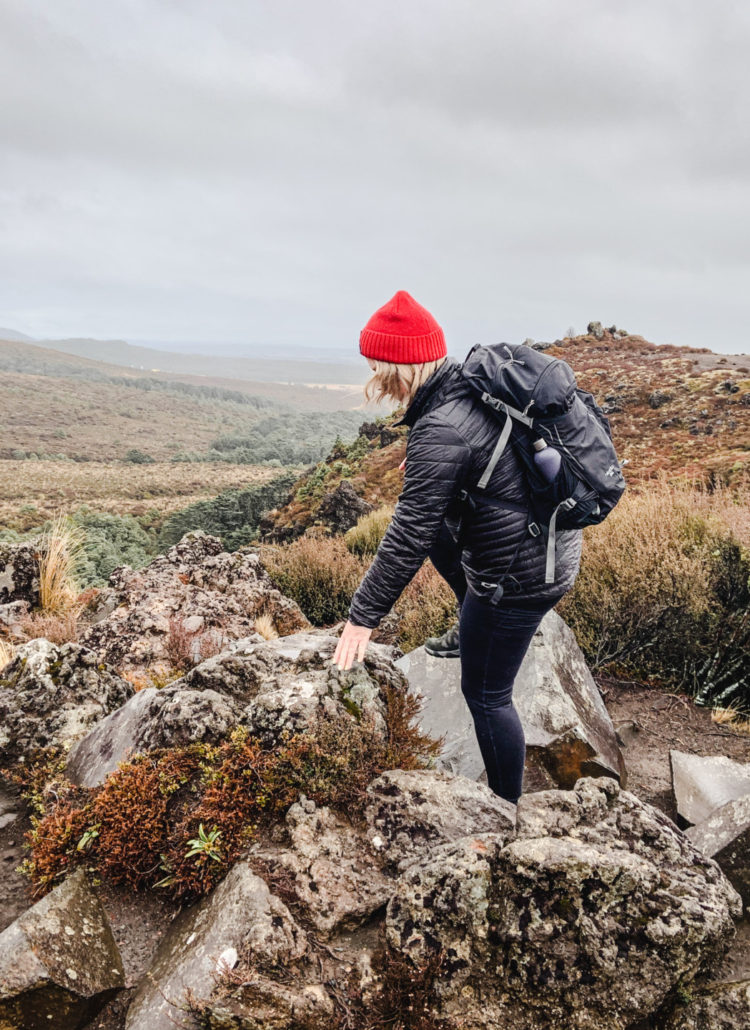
(284, 368)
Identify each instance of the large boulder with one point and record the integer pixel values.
(240, 921)
(722, 1006)
(342, 508)
(19, 573)
(590, 917)
(568, 731)
(151, 719)
(411, 811)
(725, 837)
(270, 686)
(52, 694)
(59, 963)
(329, 867)
(197, 597)
(703, 784)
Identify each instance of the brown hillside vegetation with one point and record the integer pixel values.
(33, 491)
(674, 411)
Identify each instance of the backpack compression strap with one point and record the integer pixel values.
(510, 414)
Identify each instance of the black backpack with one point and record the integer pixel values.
(536, 397)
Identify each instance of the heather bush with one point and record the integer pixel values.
(664, 589)
(364, 538)
(318, 572)
(178, 819)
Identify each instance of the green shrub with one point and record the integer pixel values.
(110, 541)
(233, 516)
(137, 457)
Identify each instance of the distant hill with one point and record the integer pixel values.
(287, 368)
(53, 403)
(11, 334)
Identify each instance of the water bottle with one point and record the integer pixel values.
(547, 460)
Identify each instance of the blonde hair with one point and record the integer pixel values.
(398, 382)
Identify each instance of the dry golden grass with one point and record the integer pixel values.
(61, 549)
(7, 652)
(732, 718)
(265, 626)
(365, 537)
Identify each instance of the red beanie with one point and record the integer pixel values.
(404, 332)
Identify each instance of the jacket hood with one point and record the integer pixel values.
(429, 392)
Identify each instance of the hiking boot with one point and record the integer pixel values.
(445, 646)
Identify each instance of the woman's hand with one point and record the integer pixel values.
(352, 644)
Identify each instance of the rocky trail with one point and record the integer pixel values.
(401, 893)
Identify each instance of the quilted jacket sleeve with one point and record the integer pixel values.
(438, 461)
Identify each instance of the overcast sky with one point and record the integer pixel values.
(271, 173)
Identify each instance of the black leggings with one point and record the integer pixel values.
(493, 641)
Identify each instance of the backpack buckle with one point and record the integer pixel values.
(535, 529)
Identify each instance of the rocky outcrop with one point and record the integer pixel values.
(241, 920)
(270, 686)
(590, 917)
(568, 730)
(59, 963)
(412, 811)
(195, 598)
(725, 837)
(701, 785)
(19, 573)
(329, 867)
(12, 615)
(342, 508)
(151, 719)
(52, 694)
(724, 1006)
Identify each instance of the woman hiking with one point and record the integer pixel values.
(497, 571)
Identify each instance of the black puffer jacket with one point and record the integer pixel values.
(450, 441)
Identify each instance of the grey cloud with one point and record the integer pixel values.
(273, 172)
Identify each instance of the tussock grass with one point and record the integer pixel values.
(664, 589)
(364, 538)
(61, 551)
(319, 573)
(265, 626)
(7, 652)
(731, 717)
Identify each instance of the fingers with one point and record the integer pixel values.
(351, 646)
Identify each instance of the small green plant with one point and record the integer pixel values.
(205, 845)
(88, 838)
